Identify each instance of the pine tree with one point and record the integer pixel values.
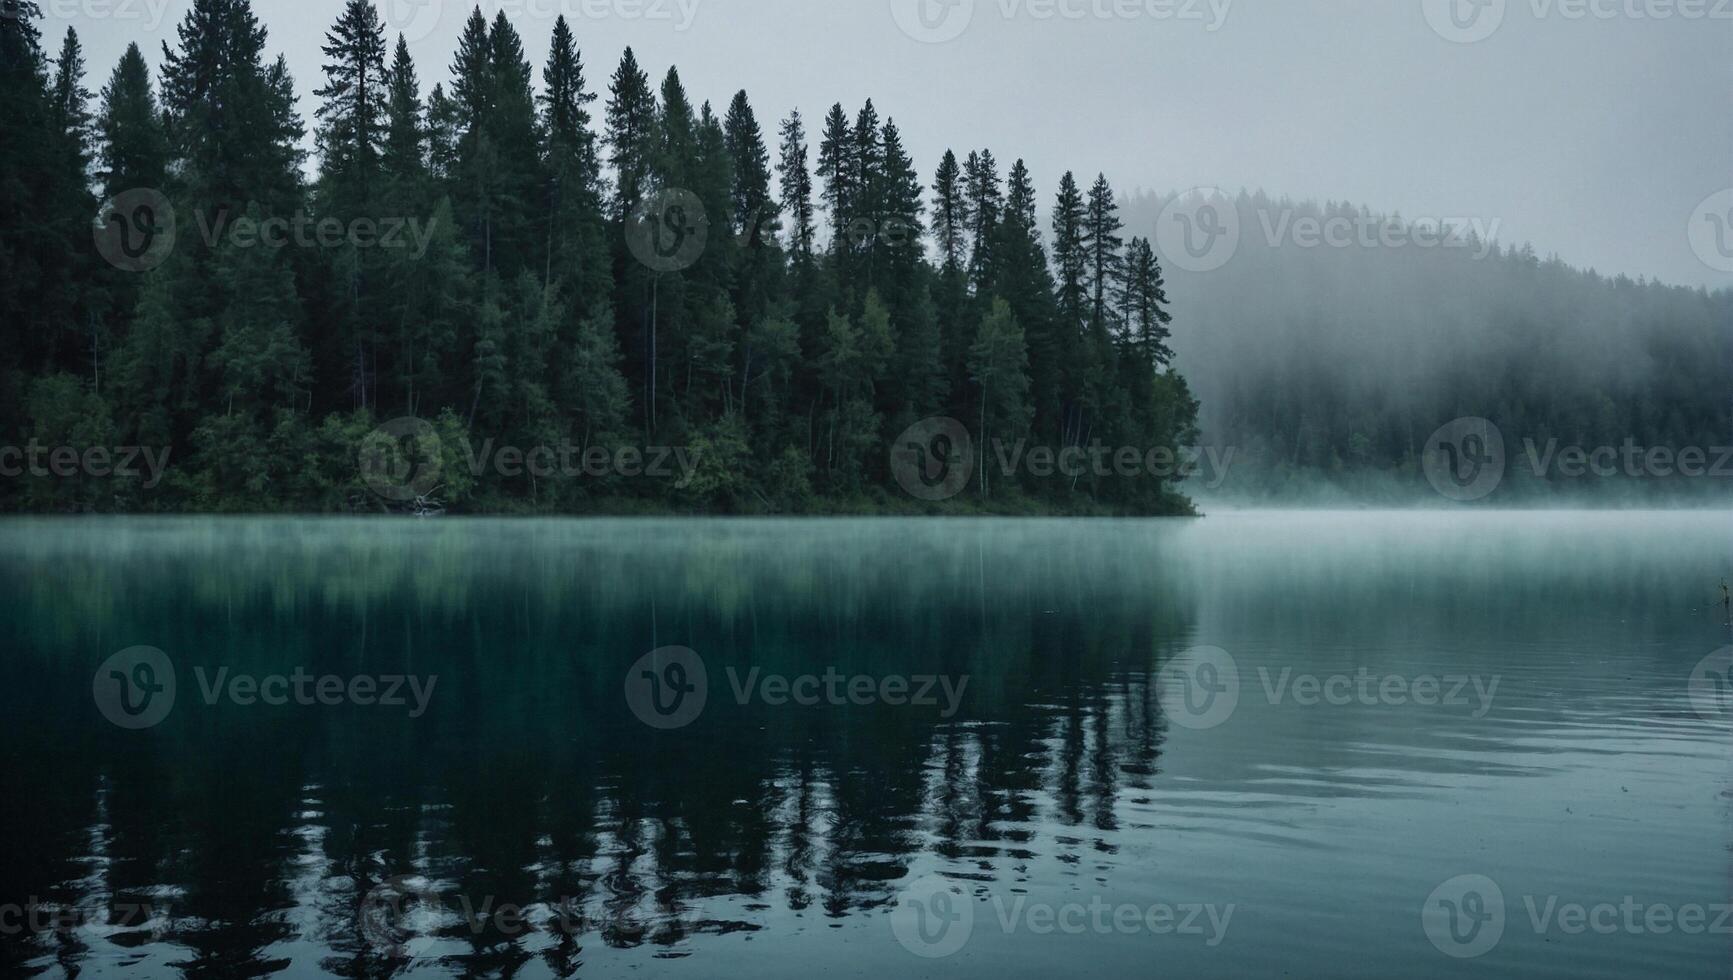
(985, 199)
(950, 212)
(836, 168)
(1143, 303)
(403, 158)
(443, 121)
(1102, 243)
(796, 186)
(353, 113)
(631, 131)
(1070, 255)
(577, 252)
(133, 149)
(753, 207)
(69, 105)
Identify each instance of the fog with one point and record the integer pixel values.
(1591, 133)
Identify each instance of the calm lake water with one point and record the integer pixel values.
(1334, 745)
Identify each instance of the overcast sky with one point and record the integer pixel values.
(1601, 137)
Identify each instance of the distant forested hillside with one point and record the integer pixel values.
(523, 290)
(1327, 367)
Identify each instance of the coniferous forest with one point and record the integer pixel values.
(539, 264)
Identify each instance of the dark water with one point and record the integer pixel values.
(1075, 805)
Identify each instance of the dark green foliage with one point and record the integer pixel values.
(515, 313)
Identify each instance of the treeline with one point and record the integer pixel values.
(574, 266)
(1327, 368)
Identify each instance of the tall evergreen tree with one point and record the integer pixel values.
(836, 168)
(576, 247)
(133, 149)
(1070, 254)
(985, 199)
(796, 186)
(353, 112)
(950, 213)
(631, 133)
(1102, 243)
(403, 157)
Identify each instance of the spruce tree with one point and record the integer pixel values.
(796, 187)
(631, 131)
(133, 149)
(950, 213)
(354, 107)
(403, 158)
(1102, 243)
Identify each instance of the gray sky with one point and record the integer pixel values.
(1573, 124)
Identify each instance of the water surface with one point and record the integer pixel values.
(777, 839)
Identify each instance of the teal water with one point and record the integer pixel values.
(1082, 797)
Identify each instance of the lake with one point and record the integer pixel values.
(1415, 744)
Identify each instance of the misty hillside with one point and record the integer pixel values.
(1327, 367)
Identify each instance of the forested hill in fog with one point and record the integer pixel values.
(1327, 367)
